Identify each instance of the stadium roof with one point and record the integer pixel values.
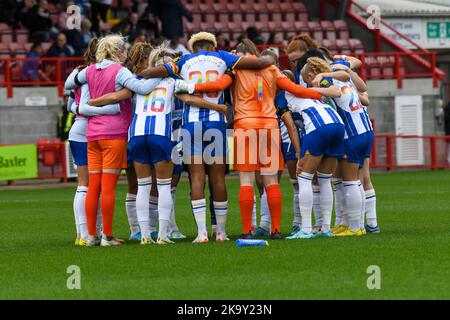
(409, 8)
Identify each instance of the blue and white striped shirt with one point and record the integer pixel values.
(153, 112)
(314, 113)
(353, 113)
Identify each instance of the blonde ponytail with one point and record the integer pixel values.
(109, 47)
(160, 55)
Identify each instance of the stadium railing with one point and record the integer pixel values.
(391, 151)
(399, 66)
(359, 14)
(18, 72)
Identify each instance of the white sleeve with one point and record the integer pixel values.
(140, 86)
(87, 110)
(75, 79)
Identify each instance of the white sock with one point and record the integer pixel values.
(142, 205)
(130, 208)
(363, 207)
(352, 203)
(81, 211)
(172, 223)
(221, 210)
(371, 208)
(165, 205)
(153, 211)
(75, 214)
(338, 202)
(316, 206)
(254, 212)
(199, 211)
(297, 216)
(266, 221)
(305, 200)
(326, 199)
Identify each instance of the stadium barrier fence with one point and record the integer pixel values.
(389, 152)
(22, 72)
(25, 72)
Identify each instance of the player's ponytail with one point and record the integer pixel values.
(246, 46)
(160, 55)
(316, 66)
(302, 42)
(138, 54)
(89, 54)
(110, 47)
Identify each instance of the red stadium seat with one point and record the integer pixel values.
(6, 36)
(273, 6)
(316, 30)
(275, 26)
(210, 17)
(288, 26)
(248, 6)
(250, 17)
(5, 52)
(197, 18)
(387, 65)
(373, 67)
(330, 45)
(356, 45)
(235, 29)
(286, 6)
(22, 35)
(277, 16)
(301, 27)
(4, 27)
(206, 4)
(18, 48)
(328, 29)
(237, 17)
(290, 16)
(264, 16)
(342, 29)
(344, 46)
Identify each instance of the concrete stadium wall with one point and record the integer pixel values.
(382, 95)
(27, 124)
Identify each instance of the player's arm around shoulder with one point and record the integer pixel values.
(255, 63)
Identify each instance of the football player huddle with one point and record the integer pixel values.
(157, 115)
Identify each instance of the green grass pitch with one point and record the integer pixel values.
(412, 252)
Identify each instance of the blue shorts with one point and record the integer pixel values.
(358, 148)
(327, 141)
(129, 161)
(200, 136)
(288, 151)
(79, 152)
(150, 149)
